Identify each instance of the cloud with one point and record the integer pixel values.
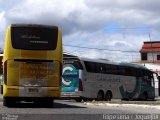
(107, 24)
(2, 28)
(108, 46)
(84, 15)
(52, 12)
(3, 21)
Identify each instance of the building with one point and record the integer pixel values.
(150, 52)
(150, 58)
(150, 55)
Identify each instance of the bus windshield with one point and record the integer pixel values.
(34, 37)
(75, 63)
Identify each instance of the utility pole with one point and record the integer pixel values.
(151, 46)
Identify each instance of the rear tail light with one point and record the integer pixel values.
(80, 85)
(5, 72)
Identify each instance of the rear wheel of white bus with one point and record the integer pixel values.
(108, 96)
(100, 95)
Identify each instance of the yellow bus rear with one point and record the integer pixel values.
(32, 64)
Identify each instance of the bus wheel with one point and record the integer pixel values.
(84, 99)
(108, 96)
(49, 102)
(100, 96)
(145, 96)
(8, 102)
(78, 99)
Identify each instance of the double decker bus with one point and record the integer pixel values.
(105, 80)
(32, 64)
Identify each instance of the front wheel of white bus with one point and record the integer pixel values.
(78, 99)
(145, 96)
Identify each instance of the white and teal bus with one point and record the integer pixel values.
(105, 80)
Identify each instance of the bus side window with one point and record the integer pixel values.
(90, 66)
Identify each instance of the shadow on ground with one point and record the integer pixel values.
(33, 105)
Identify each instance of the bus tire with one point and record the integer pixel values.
(8, 102)
(47, 102)
(145, 96)
(125, 99)
(78, 99)
(108, 96)
(84, 99)
(100, 96)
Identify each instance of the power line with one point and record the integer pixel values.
(100, 49)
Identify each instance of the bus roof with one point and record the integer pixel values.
(99, 61)
(133, 65)
(123, 64)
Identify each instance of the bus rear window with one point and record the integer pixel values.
(34, 37)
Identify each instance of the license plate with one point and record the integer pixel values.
(68, 94)
(33, 90)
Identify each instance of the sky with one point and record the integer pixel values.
(100, 29)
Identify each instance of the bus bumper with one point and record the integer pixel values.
(70, 94)
(19, 91)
